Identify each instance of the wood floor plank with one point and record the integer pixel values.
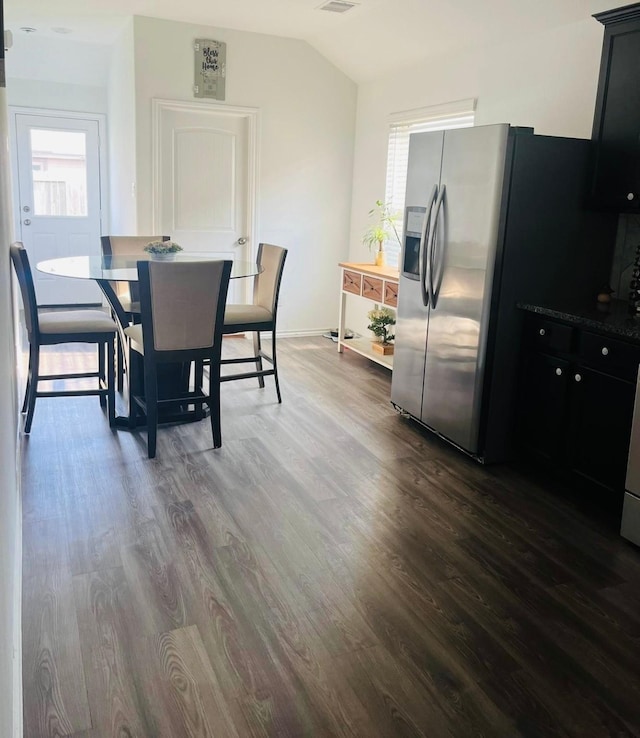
(221, 619)
(154, 583)
(55, 697)
(109, 629)
(312, 697)
(183, 689)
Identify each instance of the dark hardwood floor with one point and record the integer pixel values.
(332, 570)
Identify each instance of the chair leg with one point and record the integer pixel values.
(111, 381)
(257, 348)
(151, 399)
(34, 365)
(198, 382)
(274, 361)
(29, 378)
(214, 409)
(135, 385)
(101, 372)
(120, 360)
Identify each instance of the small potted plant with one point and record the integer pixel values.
(380, 320)
(382, 228)
(163, 250)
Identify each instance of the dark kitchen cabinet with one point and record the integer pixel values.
(599, 427)
(543, 407)
(576, 403)
(616, 126)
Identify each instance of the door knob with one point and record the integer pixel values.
(26, 221)
(242, 241)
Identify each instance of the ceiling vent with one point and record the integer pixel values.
(337, 6)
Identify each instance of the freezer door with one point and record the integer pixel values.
(462, 259)
(412, 316)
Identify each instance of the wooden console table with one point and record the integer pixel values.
(378, 284)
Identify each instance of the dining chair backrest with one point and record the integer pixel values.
(182, 304)
(22, 268)
(267, 284)
(123, 246)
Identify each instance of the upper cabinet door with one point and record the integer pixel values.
(616, 126)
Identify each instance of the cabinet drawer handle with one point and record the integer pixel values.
(630, 196)
(559, 371)
(605, 351)
(542, 331)
(578, 378)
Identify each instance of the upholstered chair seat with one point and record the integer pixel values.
(71, 322)
(242, 314)
(136, 339)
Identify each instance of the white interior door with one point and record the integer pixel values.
(202, 181)
(58, 167)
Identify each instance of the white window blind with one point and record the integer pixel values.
(450, 115)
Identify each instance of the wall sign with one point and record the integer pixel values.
(210, 68)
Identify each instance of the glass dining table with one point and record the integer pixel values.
(123, 268)
(107, 269)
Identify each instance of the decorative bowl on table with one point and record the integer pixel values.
(163, 250)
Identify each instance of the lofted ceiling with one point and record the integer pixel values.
(373, 38)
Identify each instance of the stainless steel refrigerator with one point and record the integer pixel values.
(495, 215)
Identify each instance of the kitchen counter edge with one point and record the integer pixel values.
(616, 321)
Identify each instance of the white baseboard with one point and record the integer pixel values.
(283, 334)
(300, 334)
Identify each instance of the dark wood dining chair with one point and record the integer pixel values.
(126, 292)
(63, 326)
(182, 310)
(260, 315)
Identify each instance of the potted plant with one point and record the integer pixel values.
(380, 320)
(163, 250)
(382, 228)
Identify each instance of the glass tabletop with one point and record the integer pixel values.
(123, 268)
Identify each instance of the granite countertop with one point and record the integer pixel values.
(612, 319)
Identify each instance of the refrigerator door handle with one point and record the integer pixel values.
(423, 258)
(434, 289)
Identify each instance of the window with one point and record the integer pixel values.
(458, 114)
(59, 166)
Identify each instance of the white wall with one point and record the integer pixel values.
(10, 523)
(35, 56)
(546, 80)
(121, 126)
(56, 96)
(307, 109)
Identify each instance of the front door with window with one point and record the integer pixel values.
(58, 193)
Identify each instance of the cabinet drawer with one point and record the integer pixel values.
(391, 294)
(608, 355)
(545, 335)
(351, 282)
(372, 288)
